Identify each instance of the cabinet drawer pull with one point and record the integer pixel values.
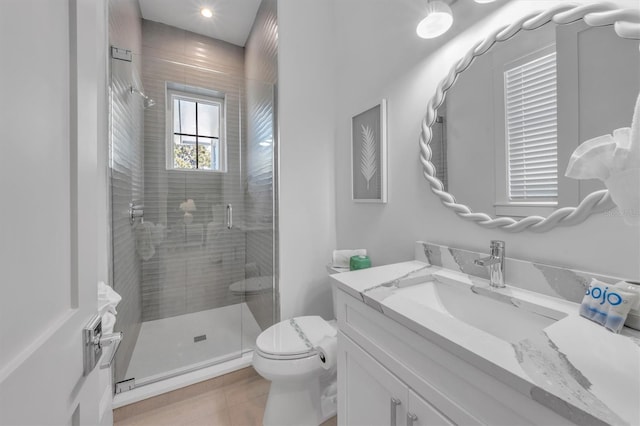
(394, 403)
(411, 418)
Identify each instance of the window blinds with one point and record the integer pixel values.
(531, 128)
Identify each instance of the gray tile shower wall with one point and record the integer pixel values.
(195, 263)
(261, 50)
(261, 71)
(126, 160)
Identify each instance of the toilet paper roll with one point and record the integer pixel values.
(327, 349)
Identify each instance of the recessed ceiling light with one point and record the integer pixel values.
(206, 12)
(484, 1)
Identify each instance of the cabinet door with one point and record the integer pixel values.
(368, 394)
(422, 413)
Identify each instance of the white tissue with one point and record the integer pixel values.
(594, 158)
(327, 350)
(108, 322)
(624, 188)
(341, 257)
(144, 240)
(108, 299)
(614, 159)
(188, 206)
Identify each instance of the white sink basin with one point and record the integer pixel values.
(492, 312)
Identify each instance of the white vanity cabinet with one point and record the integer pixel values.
(372, 396)
(384, 366)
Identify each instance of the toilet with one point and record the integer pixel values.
(303, 390)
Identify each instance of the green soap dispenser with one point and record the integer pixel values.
(359, 262)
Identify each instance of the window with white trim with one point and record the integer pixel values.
(195, 131)
(532, 131)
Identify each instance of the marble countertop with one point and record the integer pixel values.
(575, 367)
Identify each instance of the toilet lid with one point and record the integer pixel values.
(283, 339)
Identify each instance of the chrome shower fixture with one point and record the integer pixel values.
(148, 102)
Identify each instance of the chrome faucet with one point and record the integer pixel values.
(495, 262)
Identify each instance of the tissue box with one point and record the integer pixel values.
(609, 305)
(359, 262)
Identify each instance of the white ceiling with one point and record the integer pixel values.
(231, 21)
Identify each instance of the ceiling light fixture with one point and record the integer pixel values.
(484, 1)
(206, 12)
(438, 20)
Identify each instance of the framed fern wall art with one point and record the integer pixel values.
(369, 155)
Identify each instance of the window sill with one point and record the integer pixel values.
(524, 210)
(204, 171)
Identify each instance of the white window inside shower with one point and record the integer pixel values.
(195, 130)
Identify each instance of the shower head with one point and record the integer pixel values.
(148, 102)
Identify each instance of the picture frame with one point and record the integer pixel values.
(369, 155)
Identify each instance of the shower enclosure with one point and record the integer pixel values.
(191, 164)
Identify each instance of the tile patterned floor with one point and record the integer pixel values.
(235, 399)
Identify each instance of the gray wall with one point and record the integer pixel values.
(307, 103)
(407, 78)
(195, 263)
(127, 182)
(607, 93)
(261, 71)
(591, 102)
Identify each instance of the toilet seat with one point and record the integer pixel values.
(295, 338)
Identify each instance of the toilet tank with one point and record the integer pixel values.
(334, 293)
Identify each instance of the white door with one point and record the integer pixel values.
(49, 56)
(368, 394)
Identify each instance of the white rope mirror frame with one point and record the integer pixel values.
(626, 25)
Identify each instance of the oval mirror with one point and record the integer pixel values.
(502, 125)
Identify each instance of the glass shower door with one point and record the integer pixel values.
(183, 256)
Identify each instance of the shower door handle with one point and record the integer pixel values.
(229, 216)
